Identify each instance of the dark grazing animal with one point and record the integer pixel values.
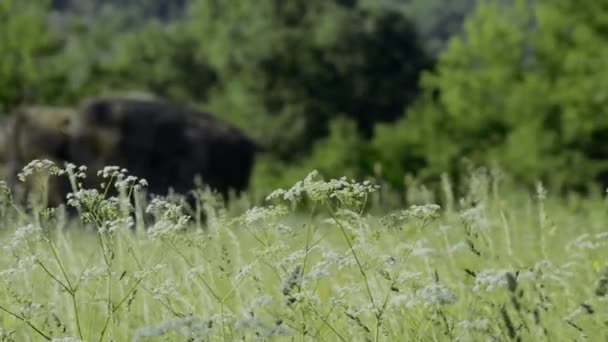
(165, 143)
(36, 132)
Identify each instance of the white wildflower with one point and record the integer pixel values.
(348, 192)
(461, 246)
(243, 273)
(66, 339)
(259, 302)
(187, 326)
(420, 250)
(489, 280)
(408, 275)
(436, 294)
(37, 166)
(478, 325)
(421, 212)
(403, 300)
(92, 273)
(316, 274)
(21, 236)
(258, 214)
(248, 323)
(166, 290)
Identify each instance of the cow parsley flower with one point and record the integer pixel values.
(66, 339)
(436, 294)
(258, 214)
(489, 280)
(37, 166)
(478, 325)
(347, 192)
(21, 236)
(109, 172)
(421, 212)
(187, 326)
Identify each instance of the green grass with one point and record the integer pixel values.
(513, 266)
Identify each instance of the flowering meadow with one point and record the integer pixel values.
(326, 260)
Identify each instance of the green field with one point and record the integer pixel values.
(323, 261)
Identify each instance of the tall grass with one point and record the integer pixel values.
(311, 265)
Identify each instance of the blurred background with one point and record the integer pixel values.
(391, 89)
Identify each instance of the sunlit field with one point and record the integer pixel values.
(322, 261)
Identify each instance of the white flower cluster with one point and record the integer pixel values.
(436, 294)
(419, 248)
(66, 339)
(421, 212)
(164, 209)
(187, 326)
(418, 214)
(121, 178)
(166, 289)
(109, 214)
(259, 302)
(259, 214)
(476, 217)
(170, 218)
(243, 273)
(84, 198)
(25, 265)
(478, 324)
(22, 236)
(110, 172)
(403, 300)
(490, 280)
(39, 166)
(345, 191)
(164, 227)
(263, 331)
(79, 172)
(341, 261)
(93, 273)
(589, 242)
(547, 270)
(296, 191)
(141, 274)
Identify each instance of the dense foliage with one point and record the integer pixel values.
(523, 87)
(321, 83)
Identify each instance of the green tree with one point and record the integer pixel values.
(163, 59)
(524, 86)
(27, 47)
(287, 68)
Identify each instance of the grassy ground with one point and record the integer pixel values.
(496, 265)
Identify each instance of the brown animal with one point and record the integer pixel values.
(165, 143)
(38, 132)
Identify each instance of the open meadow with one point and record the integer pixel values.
(460, 191)
(322, 261)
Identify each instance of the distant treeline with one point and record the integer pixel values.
(349, 87)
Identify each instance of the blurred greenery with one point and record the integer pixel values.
(525, 86)
(349, 87)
